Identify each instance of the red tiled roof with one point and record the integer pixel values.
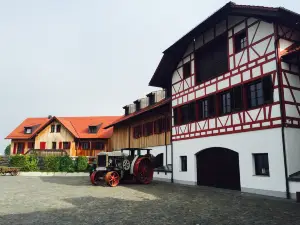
(123, 118)
(77, 126)
(37, 123)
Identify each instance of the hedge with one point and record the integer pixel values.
(49, 163)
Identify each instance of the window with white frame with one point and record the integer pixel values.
(261, 163)
(183, 163)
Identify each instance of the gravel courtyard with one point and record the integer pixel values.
(72, 200)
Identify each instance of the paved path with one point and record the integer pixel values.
(72, 200)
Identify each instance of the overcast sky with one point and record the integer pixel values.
(88, 58)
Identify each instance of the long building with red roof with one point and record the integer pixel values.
(76, 135)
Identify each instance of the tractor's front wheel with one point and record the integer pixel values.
(112, 178)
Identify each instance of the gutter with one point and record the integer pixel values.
(282, 111)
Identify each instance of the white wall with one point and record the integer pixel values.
(294, 187)
(292, 143)
(263, 141)
(162, 176)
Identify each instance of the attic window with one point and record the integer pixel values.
(93, 129)
(186, 70)
(126, 110)
(137, 105)
(27, 130)
(240, 41)
(151, 99)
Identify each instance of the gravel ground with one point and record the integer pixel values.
(72, 200)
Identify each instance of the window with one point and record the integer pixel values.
(148, 129)
(237, 98)
(53, 145)
(240, 41)
(92, 129)
(126, 108)
(30, 145)
(261, 162)
(52, 128)
(58, 127)
(161, 125)
(151, 99)
(137, 131)
(20, 149)
(186, 70)
(85, 145)
(137, 105)
(27, 130)
(260, 92)
(66, 145)
(99, 146)
(187, 113)
(211, 60)
(183, 160)
(225, 103)
(206, 107)
(175, 116)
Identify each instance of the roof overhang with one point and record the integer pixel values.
(140, 112)
(173, 54)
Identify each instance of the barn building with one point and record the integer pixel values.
(235, 91)
(146, 124)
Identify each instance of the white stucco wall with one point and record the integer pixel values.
(264, 141)
(294, 187)
(292, 143)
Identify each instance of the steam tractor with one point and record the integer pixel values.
(127, 164)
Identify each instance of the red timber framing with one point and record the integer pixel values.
(290, 76)
(254, 62)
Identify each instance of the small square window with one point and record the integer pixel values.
(66, 145)
(58, 127)
(261, 162)
(28, 130)
(186, 70)
(240, 41)
(92, 129)
(85, 145)
(183, 160)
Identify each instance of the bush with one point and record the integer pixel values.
(31, 163)
(81, 163)
(25, 162)
(17, 161)
(66, 164)
(52, 163)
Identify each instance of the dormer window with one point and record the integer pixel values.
(151, 99)
(126, 110)
(93, 129)
(137, 105)
(27, 130)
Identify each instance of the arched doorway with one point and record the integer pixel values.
(218, 167)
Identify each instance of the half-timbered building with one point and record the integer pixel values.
(146, 124)
(236, 100)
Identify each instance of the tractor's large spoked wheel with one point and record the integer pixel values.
(144, 172)
(112, 178)
(95, 177)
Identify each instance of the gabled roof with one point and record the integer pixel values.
(140, 112)
(174, 53)
(35, 123)
(77, 126)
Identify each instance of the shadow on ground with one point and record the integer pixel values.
(171, 204)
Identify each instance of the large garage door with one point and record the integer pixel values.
(218, 167)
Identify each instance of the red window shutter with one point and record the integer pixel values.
(42, 145)
(15, 148)
(60, 145)
(23, 147)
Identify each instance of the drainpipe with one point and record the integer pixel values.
(166, 125)
(282, 111)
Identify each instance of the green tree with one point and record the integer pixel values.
(7, 150)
